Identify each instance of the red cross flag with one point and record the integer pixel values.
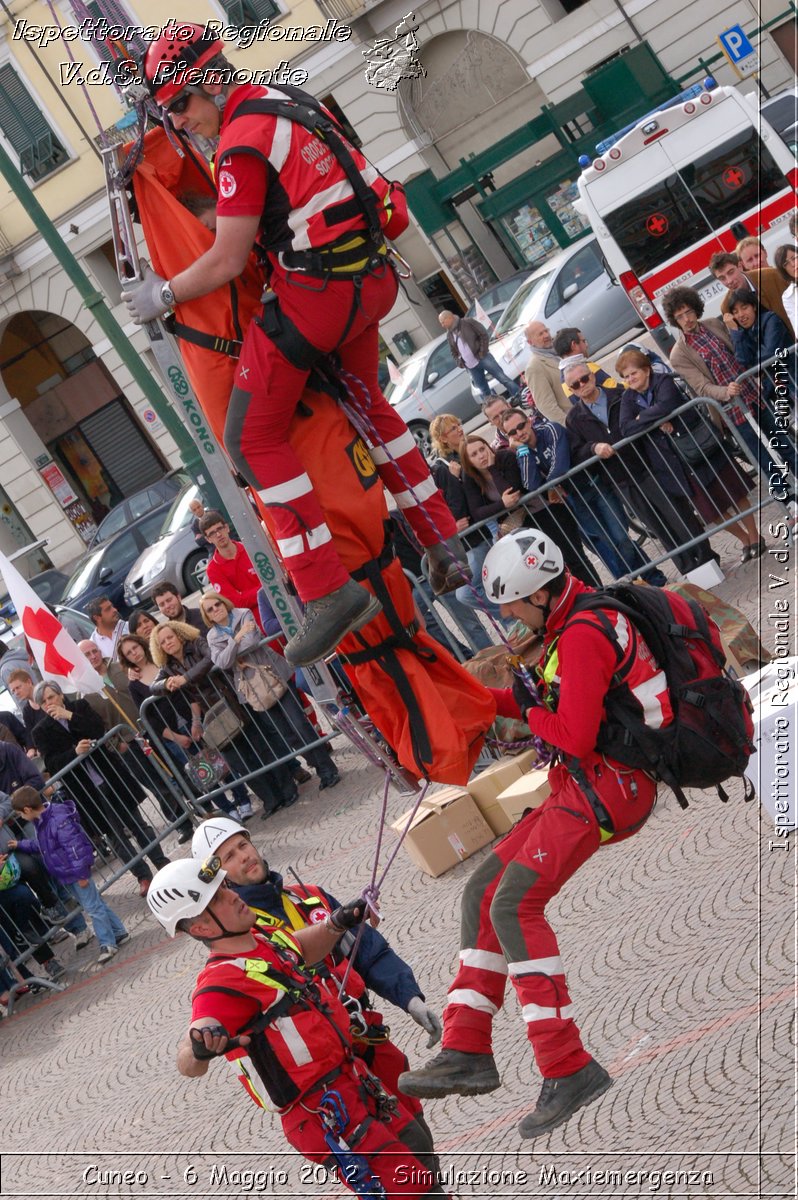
(56, 654)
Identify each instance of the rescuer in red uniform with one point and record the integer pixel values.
(319, 213)
(593, 800)
(286, 1033)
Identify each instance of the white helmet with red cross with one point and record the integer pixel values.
(519, 564)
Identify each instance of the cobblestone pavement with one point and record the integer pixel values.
(680, 950)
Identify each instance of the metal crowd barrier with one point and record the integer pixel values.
(625, 519)
(258, 750)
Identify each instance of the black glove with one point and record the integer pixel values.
(201, 1051)
(346, 916)
(523, 697)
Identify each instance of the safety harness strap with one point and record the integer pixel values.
(197, 337)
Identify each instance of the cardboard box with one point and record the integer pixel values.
(486, 787)
(527, 792)
(737, 668)
(708, 575)
(447, 829)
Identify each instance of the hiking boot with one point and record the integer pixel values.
(561, 1098)
(447, 566)
(328, 620)
(452, 1072)
(83, 938)
(329, 779)
(123, 937)
(106, 954)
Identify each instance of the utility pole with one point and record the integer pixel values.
(95, 303)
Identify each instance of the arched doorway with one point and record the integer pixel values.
(73, 403)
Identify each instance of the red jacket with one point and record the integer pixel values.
(237, 579)
(585, 669)
(305, 1042)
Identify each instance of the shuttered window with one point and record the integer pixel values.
(116, 14)
(250, 12)
(25, 127)
(122, 447)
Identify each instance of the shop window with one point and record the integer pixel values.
(26, 128)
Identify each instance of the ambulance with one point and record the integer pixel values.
(686, 180)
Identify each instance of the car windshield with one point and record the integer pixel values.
(497, 295)
(411, 374)
(524, 305)
(179, 515)
(83, 573)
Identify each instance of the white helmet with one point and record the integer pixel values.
(519, 564)
(183, 889)
(211, 834)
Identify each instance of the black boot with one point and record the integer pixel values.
(447, 566)
(561, 1098)
(328, 620)
(452, 1072)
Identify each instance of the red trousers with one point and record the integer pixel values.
(503, 924)
(391, 1147)
(267, 390)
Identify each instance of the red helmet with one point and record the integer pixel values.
(180, 50)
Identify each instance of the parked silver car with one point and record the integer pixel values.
(174, 556)
(571, 289)
(432, 384)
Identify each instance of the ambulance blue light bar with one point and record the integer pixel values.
(695, 90)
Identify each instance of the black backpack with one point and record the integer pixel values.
(711, 736)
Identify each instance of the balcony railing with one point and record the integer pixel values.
(345, 10)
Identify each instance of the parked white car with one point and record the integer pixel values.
(573, 289)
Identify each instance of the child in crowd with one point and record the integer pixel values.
(69, 856)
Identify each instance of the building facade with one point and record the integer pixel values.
(482, 117)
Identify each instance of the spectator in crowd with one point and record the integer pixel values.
(69, 857)
(751, 254)
(13, 658)
(33, 872)
(66, 732)
(230, 570)
(543, 373)
(116, 706)
(704, 357)
(22, 926)
(596, 495)
(571, 343)
(237, 647)
(170, 605)
(541, 450)
(142, 623)
(446, 436)
(169, 715)
(16, 769)
(185, 662)
(469, 343)
(493, 411)
(767, 283)
(13, 730)
(21, 685)
(198, 509)
(108, 625)
(760, 335)
(494, 486)
(786, 260)
(717, 486)
(644, 404)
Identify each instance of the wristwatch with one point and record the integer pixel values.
(167, 295)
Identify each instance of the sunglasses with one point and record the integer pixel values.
(209, 869)
(179, 106)
(581, 381)
(515, 429)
